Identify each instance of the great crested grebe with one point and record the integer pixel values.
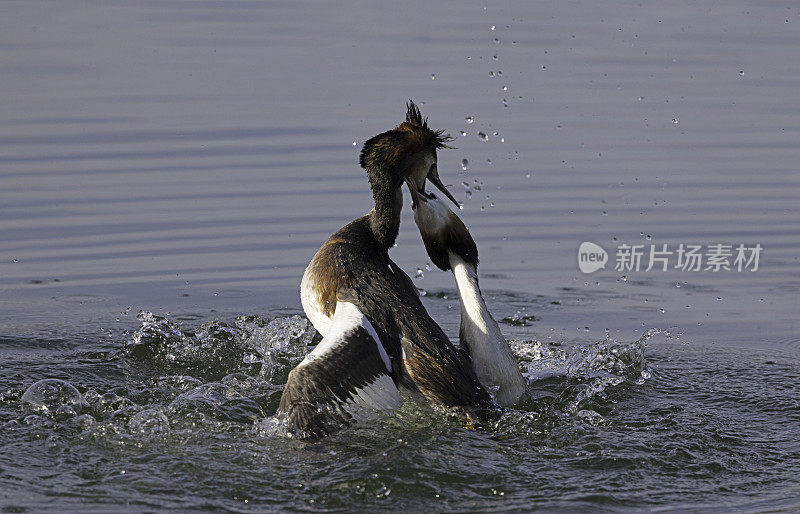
(451, 247)
(377, 335)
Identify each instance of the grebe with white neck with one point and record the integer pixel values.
(451, 247)
(377, 336)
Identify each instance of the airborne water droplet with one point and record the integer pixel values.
(482, 136)
(675, 121)
(464, 164)
(463, 132)
(469, 119)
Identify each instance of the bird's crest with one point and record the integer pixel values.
(386, 150)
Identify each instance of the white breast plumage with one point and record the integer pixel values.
(310, 301)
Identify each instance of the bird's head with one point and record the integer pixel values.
(405, 153)
(442, 231)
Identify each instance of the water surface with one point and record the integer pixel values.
(187, 158)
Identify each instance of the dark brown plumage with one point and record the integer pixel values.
(353, 266)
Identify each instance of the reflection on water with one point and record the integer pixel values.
(189, 157)
(145, 134)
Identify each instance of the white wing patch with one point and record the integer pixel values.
(346, 318)
(345, 378)
(380, 395)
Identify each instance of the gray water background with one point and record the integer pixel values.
(190, 157)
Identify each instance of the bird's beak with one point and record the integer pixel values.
(433, 176)
(416, 196)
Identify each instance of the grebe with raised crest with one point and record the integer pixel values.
(377, 336)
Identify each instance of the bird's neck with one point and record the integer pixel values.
(477, 323)
(384, 219)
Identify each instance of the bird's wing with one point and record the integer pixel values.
(346, 378)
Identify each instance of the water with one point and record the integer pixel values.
(186, 159)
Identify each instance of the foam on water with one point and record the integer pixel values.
(593, 409)
(239, 369)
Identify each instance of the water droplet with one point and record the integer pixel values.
(527, 175)
(648, 237)
(468, 194)
(502, 140)
(661, 310)
(491, 204)
(499, 73)
(460, 206)
(463, 132)
(491, 74)
(482, 136)
(433, 76)
(464, 164)
(605, 213)
(483, 207)
(492, 27)
(675, 120)
(427, 267)
(419, 273)
(494, 57)
(741, 73)
(624, 278)
(641, 99)
(469, 120)
(355, 143)
(504, 88)
(496, 41)
(678, 284)
(465, 184)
